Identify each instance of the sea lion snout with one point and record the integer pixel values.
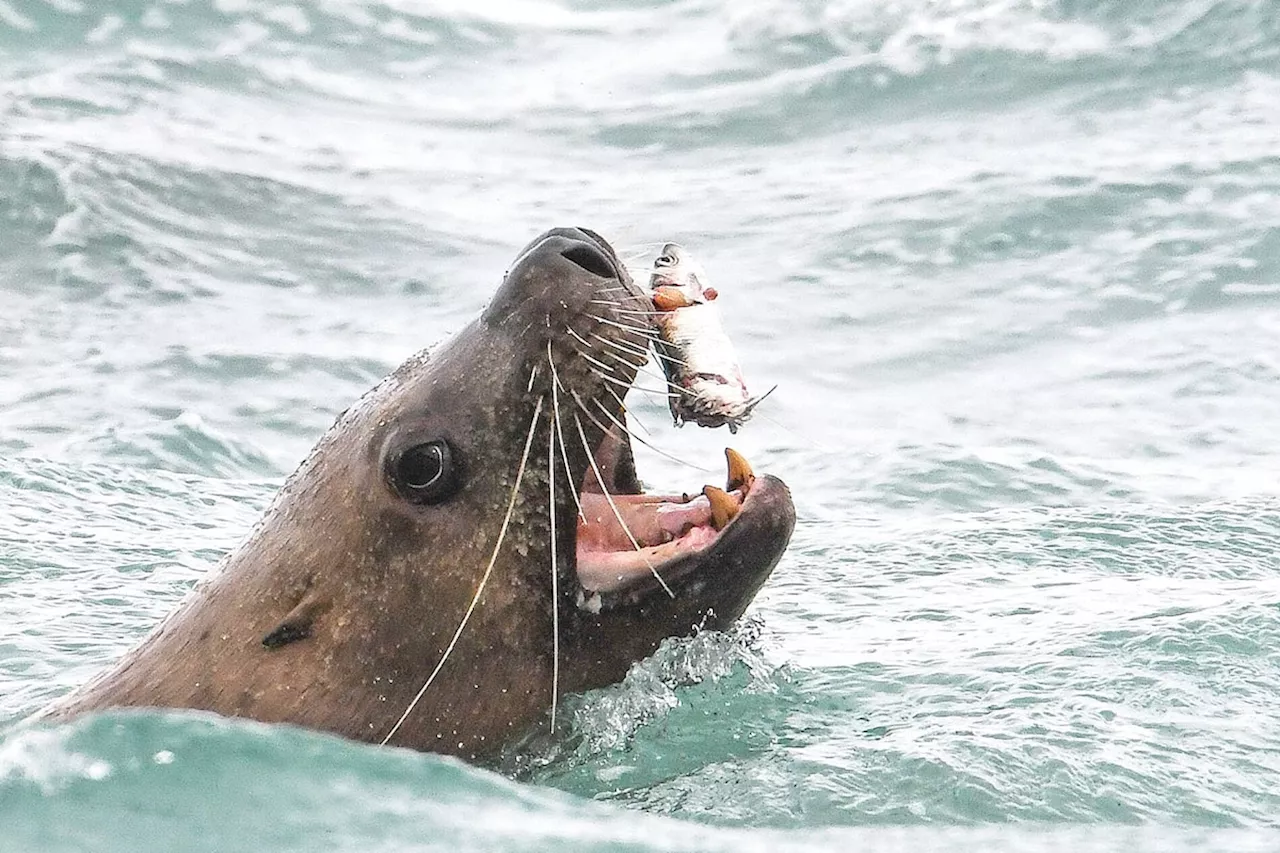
(556, 277)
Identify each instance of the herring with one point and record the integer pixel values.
(705, 381)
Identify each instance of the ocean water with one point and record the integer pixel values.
(1013, 264)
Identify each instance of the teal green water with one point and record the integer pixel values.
(1013, 264)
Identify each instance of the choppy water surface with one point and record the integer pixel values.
(1014, 264)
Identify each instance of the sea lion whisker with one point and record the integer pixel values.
(625, 410)
(617, 306)
(658, 352)
(641, 250)
(644, 332)
(555, 574)
(657, 450)
(595, 361)
(583, 406)
(484, 578)
(622, 360)
(574, 333)
(623, 347)
(668, 358)
(628, 385)
(613, 357)
(640, 370)
(638, 351)
(633, 349)
(630, 312)
(555, 412)
(643, 352)
(613, 506)
(673, 387)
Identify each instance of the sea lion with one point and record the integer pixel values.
(452, 556)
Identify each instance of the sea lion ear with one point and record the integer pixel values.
(297, 623)
(286, 632)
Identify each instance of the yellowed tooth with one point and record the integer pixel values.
(723, 506)
(740, 474)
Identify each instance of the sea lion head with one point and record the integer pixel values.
(469, 540)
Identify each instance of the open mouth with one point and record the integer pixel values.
(630, 537)
(710, 545)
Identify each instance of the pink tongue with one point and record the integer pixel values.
(665, 528)
(652, 521)
(606, 571)
(674, 519)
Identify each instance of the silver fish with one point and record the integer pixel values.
(706, 384)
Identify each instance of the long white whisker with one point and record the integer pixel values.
(616, 512)
(638, 367)
(555, 410)
(580, 338)
(555, 577)
(600, 364)
(641, 369)
(583, 406)
(617, 307)
(642, 352)
(640, 250)
(628, 385)
(484, 579)
(676, 388)
(620, 358)
(635, 330)
(631, 349)
(625, 410)
(608, 414)
(670, 359)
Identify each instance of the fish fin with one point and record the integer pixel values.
(755, 401)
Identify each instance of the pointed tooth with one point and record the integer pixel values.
(723, 506)
(740, 474)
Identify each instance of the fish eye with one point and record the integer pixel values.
(665, 261)
(425, 473)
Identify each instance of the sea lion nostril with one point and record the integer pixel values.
(590, 259)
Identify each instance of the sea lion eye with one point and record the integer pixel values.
(425, 473)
